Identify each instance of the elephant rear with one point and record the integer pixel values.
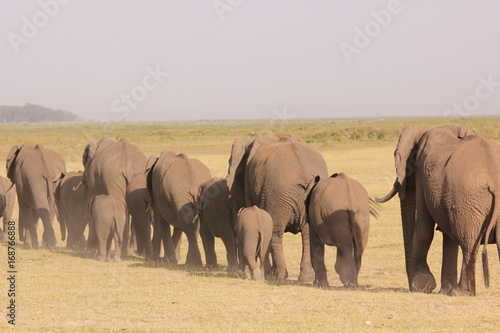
(108, 216)
(254, 231)
(339, 214)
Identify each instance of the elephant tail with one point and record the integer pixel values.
(374, 208)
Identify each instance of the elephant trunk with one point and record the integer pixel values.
(408, 209)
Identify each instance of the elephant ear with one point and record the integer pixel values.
(88, 153)
(405, 157)
(10, 165)
(237, 161)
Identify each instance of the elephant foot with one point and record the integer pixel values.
(351, 285)
(275, 274)
(305, 276)
(171, 260)
(424, 283)
(49, 241)
(323, 284)
(194, 262)
(448, 289)
(257, 274)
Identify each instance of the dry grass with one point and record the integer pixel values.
(61, 290)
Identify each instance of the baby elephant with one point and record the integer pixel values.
(254, 229)
(108, 216)
(339, 215)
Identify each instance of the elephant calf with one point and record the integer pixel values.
(254, 229)
(72, 206)
(108, 216)
(216, 220)
(339, 215)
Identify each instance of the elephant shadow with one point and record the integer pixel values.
(85, 254)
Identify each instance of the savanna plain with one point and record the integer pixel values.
(60, 290)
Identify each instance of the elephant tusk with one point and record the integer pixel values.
(388, 197)
(10, 188)
(77, 187)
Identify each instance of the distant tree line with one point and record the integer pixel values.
(31, 113)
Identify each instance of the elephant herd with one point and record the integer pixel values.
(445, 176)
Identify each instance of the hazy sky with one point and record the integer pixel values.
(224, 59)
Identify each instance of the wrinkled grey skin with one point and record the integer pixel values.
(36, 172)
(73, 211)
(339, 215)
(7, 201)
(254, 229)
(108, 219)
(109, 166)
(450, 177)
(276, 173)
(173, 182)
(216, 221)
(138, 202)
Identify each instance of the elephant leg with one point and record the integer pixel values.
(157, 237)
(168, 244)
(264, 256)
(125, 232)
(48, 236)
(176, 239)
(422, 279)
(138, 237)
(92, 242)
(467, 284)
(119, 246)
(230, 245)
(306, 270)
(318, 259)
(143, 236)
(345, 265)
(193, 255)
(449, 265)
(103, 247)
(26, 222)
(208, 241)
(252, 270)
(279, 265)
(79, 234)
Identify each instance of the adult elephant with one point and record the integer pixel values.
(276, 173)
(36, 172)
(173, 181)
(109, 166)
(73, 210)
(450, 177)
